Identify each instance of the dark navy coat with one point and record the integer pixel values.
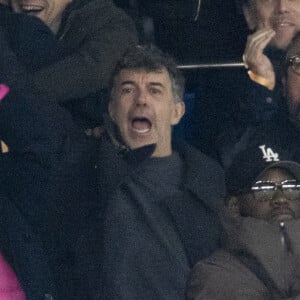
(140, 250)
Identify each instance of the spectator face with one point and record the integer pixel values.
(291, 82)
(283, 16)
(143, 108)
(280, 207)
(49, 11)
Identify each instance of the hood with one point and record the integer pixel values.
(276, 247)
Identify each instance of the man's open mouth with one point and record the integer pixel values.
(141, 125)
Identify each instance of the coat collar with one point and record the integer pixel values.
(267, 243)
(202, 176)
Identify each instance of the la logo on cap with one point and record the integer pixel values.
(269, 154)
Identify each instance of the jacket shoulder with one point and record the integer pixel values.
(222, 276)
(203, 176)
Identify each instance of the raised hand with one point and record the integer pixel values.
(260, 67)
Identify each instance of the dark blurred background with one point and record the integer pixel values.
(215, 32)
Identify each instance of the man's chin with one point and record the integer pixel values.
(138, 140)
(281, 216)
(282, 40)
(140, 143)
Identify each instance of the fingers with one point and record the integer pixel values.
(256, 43)
(95, 132)
(259, 39)
(256, 61)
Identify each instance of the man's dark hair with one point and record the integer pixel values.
(151, 59)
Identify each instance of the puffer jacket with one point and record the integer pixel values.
(259, 261)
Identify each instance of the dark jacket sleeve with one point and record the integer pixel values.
(28, 126)
(85, 69)
(32, 41)
(24, 251)
(47, 176)
(45, 144)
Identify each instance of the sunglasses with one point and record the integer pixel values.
(265, 190)
(294, 62)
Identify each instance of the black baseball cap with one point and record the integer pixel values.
(246, 168)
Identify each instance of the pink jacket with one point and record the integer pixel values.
(10, 288)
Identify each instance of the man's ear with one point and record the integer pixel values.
(250, 17)
(178, 112)
(233, 206)
(111, 110)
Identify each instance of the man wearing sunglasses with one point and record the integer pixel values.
(278, 138)
(260, 254)
(272, 25)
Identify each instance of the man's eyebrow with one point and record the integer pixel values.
(153, 83)
(127, 82)
(157, 84)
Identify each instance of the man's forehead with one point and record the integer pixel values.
(142, 76)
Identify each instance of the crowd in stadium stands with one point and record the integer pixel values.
(123, 176)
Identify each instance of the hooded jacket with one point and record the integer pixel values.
(259, 261)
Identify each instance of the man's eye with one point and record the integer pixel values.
(155, 91)
(126, 90)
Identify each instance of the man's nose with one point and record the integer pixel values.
(279, 198)
(282, 5)
(141, 97)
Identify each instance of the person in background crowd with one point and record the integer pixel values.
(273, 25)
(91, 34)
(278, 138)
(156, 195)
(231, 103)
(31, 40)
(269, 143)
(259, 258)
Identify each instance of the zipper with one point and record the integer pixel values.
(287, 246)
(285, 240)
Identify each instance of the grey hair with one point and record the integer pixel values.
(151, 59)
